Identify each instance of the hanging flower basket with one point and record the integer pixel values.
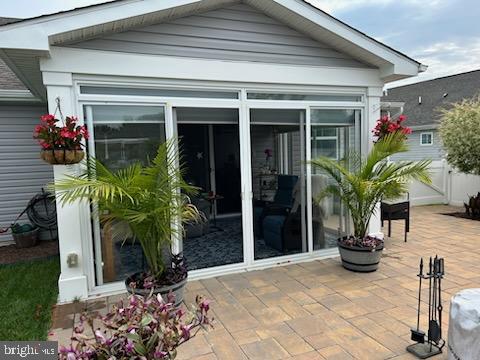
(62, 156)
(61, 145)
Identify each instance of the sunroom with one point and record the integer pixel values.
(250, 90)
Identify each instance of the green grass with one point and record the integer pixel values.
(27, 292)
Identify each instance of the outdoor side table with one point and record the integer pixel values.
(464, 326)
(396, 211)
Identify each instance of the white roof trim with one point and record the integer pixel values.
(17, 95)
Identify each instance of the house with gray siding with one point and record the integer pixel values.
(252, 90)
(22, 173)
(421, 103)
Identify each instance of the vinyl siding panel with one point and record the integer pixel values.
(420, 152)
(237, 33)
(23, 173)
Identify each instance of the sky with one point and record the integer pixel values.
(443, 34)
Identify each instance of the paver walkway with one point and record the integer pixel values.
(318, 310)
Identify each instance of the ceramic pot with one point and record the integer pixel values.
(177, 289)
(359, 259)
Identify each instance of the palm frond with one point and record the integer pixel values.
(362, 183)
(144, 200)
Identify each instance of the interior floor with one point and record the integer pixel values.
(222, 245)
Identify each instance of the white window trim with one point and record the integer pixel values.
(243, 105)
(421, 138)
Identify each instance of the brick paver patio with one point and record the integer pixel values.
(318, 310)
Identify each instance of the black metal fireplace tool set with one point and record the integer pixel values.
(433, 344)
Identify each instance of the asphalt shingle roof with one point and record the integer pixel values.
(435, 94)
(8, 80)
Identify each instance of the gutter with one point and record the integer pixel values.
(18, 96)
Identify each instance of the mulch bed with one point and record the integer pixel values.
(461, 215)
(11, 254)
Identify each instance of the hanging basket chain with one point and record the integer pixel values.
(58, 109)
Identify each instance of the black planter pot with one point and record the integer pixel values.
(176, 289)
(359, 259)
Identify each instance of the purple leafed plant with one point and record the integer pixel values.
(368, 242)
(138, 328)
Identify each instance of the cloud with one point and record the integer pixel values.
(334, 6)
(29, 8)
(446, 58)
(439, 33)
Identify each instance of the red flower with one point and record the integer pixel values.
(84, 132)
(47, 118)
(44, 145)
(402, 118)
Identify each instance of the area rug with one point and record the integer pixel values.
(223, 245)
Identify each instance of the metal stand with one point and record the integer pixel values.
(435, 343)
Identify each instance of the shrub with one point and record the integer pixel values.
(139, 328)
(460, 133)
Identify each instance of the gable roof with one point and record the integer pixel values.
(23, 42)
(435, 94)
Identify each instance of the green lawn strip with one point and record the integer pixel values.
(28, 291)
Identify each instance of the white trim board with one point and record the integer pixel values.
(80, 61)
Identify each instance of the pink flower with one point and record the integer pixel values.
(84, 132)
(47, 118)
(402, 118)
(66, 133)
(185, 331)
(45, 145)
(205, 305)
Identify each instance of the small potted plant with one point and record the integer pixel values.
(361, 183)
(61, 144)
(138, 328)
(153, 202)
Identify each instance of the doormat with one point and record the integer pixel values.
(461, 215)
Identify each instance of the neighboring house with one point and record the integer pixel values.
(236, 80)
(422, 102)
(22, 173)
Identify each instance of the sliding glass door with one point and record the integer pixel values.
(209, 139)
(277, 139)
(335, 133)
(121, 135)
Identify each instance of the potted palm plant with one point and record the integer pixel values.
(361, 183)
(148, 204)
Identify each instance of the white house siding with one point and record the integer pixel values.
(420, 152)
(22, 173)
(237, 32)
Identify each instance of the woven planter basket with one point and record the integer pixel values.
(62, 157)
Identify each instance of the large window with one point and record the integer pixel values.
(121, 136)
(334, 133)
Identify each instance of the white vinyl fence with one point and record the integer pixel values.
(449, 186)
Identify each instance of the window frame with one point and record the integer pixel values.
(431, 138)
